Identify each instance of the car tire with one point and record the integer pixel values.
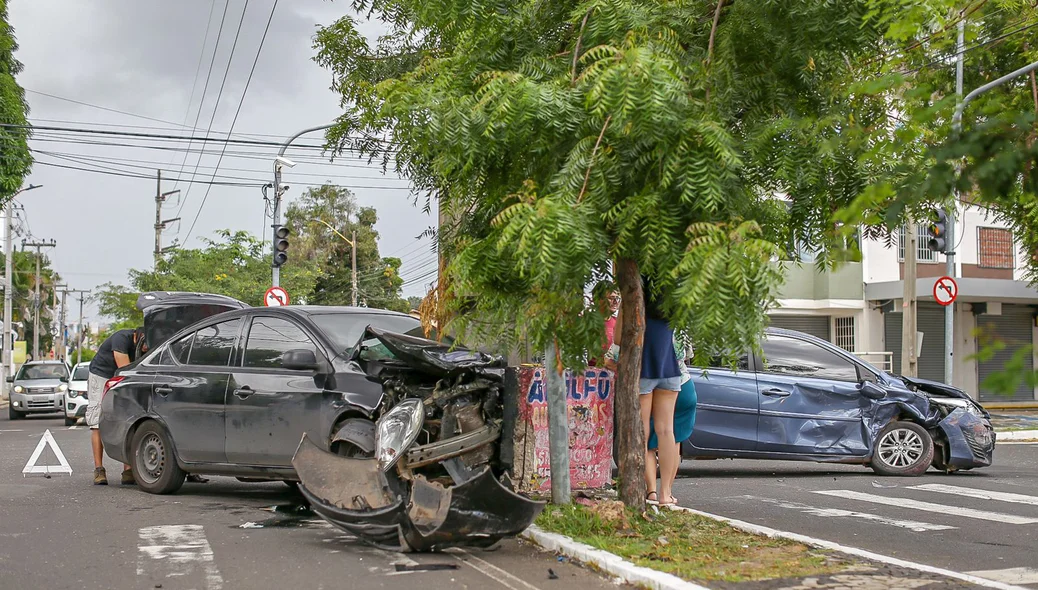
(14, 414)
(70, 421)
(154, 460)
(902, 449)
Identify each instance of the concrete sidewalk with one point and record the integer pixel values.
(1007, 420)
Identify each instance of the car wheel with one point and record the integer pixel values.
(154, 460)
(902, 448)
(14, 414)
(70, 421)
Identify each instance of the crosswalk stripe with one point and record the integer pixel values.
(980, 494)
(1013, 575)
(175, 551)
(929, 507)
(911, 525)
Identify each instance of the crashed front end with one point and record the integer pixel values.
(964, 437)
(436, 479)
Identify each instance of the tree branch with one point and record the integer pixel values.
(576, 50)
(587, 175)
(713, 32)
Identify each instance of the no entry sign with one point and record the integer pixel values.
(945, 290)
(275, 297)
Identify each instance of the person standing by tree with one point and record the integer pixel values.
(117, 351)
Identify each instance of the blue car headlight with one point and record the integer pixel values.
(396, 430)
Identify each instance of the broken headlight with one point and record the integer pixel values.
(953, 402)
(397, 430)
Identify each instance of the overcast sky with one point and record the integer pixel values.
(146, 58)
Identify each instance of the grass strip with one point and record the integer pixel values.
(691, 547)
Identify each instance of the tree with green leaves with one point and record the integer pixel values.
(322, 219)
(237, 265)
(14, 134)
(572, 143)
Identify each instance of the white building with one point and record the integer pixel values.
(858, 306)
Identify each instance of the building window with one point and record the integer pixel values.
(995, 247)
(923, 251)
(844, 330)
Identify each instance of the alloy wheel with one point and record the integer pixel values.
(900, 448)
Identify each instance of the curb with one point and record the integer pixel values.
(604, 561)
(1016, 435)
(822, 544)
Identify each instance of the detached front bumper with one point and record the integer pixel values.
(970, 439)
(355, 495)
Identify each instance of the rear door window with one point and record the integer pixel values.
(799, 358)
(270, 338)
(212, 345)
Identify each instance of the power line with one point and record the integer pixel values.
(974, 47)
(156, 136)
(216, 105)
(236, 113)
(99, 107)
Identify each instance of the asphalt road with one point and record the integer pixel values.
(63, 532)
(981, 521)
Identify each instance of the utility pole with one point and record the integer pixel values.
(7, 363)
(353, 267)
(949, 258)
(79, 329)
(37, 304)
(909, 359)
(558, 427)
(57, 313)
(161, 224)
(61, 327)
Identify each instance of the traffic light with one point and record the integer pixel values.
(280, 245)
(939, 233)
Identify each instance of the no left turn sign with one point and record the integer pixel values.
(945, 290)
(275, 297)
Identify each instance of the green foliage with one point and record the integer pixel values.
(559, 137)
(23, 267)
(16, 160)
(378, 279)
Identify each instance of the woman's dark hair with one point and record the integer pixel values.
(653, 299)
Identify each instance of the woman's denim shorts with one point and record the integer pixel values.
(646, 386)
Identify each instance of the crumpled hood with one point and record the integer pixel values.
(436, 358)
(934, 387)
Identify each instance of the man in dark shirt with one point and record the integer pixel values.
(119, 350)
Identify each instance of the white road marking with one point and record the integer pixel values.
(823, 544)
(980, 494)
(929, 507)
(177, 550)
(1013, 575)
(492, 571)
(911, 525)
(2, 431)
(73, 427)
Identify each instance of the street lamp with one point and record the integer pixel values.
(353, 261)
(7, 366)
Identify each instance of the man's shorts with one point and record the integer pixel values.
(95, 389)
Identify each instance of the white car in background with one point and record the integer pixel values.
(76, 396)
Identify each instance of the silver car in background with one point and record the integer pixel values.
(76, 396)
(39, 387)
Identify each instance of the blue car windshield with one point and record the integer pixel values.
(30, 372)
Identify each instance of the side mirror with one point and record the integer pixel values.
(300, 360)
(871, 390)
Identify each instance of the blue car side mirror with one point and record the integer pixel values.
(871, 390)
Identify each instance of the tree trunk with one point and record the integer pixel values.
(630, 437)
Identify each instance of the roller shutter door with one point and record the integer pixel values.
(1013, 328)
(815, 325)
(930, 322)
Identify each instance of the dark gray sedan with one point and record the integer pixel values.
(233, 394)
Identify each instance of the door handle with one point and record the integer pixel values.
(243, 392)
(775, 393)
(163, 390)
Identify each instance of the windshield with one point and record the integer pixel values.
(346, 329)
(82, 373)
(50, 371)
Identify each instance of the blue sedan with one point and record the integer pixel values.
(805, 399)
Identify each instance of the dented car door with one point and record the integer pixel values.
(810, 401)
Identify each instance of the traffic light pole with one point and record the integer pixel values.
(949, 258)
(957, 130)
(279, 190)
